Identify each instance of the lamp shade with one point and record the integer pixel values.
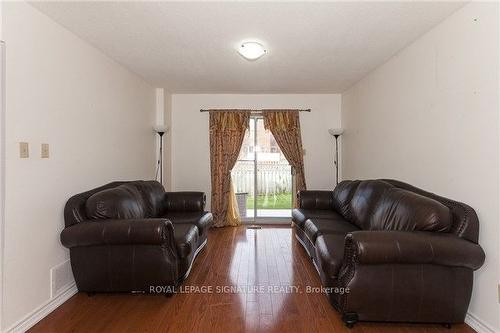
(336, 131)
(160, 129)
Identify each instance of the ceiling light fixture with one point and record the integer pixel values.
(251, 50)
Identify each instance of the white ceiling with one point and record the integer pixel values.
(190, 47)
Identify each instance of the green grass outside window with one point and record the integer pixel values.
(271, 201)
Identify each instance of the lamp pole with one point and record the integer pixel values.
(336, 132)
(160, 130)
(161, 156)
(336, 158)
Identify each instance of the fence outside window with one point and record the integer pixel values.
(273, 177)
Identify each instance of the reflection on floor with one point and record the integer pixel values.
(245, 280)
(270, 213)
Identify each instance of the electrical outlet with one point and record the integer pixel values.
(45, 150)
(24, 151)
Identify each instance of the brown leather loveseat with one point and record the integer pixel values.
(388, 251)
(134, 236)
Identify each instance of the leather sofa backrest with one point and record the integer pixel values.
(75, 210)
(463, 219)
(153, 196)
(403, 210)
(366, 198)
(465, 223)
(342, 196)
(122, 202)
(315, 200)
(185, 201)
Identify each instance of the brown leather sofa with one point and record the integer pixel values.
(388, 251)
(134, 236)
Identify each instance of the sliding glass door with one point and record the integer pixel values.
(262, 177)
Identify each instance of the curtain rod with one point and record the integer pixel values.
(261, 110)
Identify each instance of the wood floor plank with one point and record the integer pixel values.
(268, 258)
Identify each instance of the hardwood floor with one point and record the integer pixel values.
(233, 257)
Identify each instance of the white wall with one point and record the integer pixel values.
(429, 116)
(190, 138)
(167, 156)
(97, 118)
(2, 165)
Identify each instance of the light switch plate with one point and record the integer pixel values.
(45, 150)
(24, 151)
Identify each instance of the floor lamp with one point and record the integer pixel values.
(336, 132)
(160, 130)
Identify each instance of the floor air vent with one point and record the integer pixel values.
(61, 278)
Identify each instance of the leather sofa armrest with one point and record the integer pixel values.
(315, 199)
(381, 247)
(119, 232)
(185, 201)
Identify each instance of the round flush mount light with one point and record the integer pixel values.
(251, 50)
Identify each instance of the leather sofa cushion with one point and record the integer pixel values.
(186, 239)
(330, 253)
(407, 211)
(202, 220)
(153, 196)
(316, 227)
(342, 196)
(300, 215)
(368, 195)
(122, 202)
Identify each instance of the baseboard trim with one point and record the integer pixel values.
(478, 325)
(42, 311)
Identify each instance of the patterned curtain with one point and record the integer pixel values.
(285, 127)
(227, 131)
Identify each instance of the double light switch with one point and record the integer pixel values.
(24, 151)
